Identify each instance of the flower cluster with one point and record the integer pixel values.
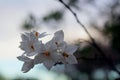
(54, 51)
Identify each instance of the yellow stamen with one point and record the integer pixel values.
(65, 54)
(47, 53)
(36, 34)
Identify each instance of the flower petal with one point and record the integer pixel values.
(62, 46)
(42, 35)
(23, 58)
(31, 54)
(24, 37)
(70, 49)
(50, 45)
(39, 47)
(24, 46)
(56, 56)
(27, 66)
(33, 37)
(39, 58)
(48, 64)
(58, 36)
(71, 59)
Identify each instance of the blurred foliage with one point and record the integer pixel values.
(73, 3)
(16, 78)
(113, 29)
(90, 60)
(2, 77)
(21, 78)
(87, 53)
(57, 15)
(30, 22)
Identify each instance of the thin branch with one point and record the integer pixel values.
(108, 60)
(78, 21)
(76, 17)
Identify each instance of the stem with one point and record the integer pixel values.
(76, 17)
(108, 60)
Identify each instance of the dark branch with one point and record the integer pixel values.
(76, 17)
(94, 44)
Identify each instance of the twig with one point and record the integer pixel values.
(109, 61)
(78, 21)
(76, 17)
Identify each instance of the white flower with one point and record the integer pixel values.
(30, 44)
(64, 49)
(53, 52)
(67, 53)
(28, 63)
(58, 37)
(57, 40)
(38, 35)
(48, 57)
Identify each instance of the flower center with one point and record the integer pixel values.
(32, 47)
(56, 43)
(65, 54)
(36, 34)
(47, 53)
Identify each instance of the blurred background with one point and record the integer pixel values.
(101, 18)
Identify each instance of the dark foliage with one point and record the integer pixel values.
(57, 15)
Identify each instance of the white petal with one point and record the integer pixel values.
(27, 66)
(24, 37)
(24, 46)
(39, 35)
(42, 35)
(50, 45)
(23, 58)
(71, 59)
(39, 58)
(33, 38)
(39, 47)
(62, 46)
(48, 64)
(31, 54)
(70, 49)
(56, 57)
(27, 34)
(58, 36)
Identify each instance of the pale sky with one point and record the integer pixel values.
(13, 12)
